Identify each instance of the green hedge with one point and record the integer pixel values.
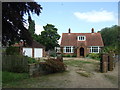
(12, 50)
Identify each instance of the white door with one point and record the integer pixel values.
(27, 52)
(38, 52)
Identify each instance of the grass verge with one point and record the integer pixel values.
(11, 77)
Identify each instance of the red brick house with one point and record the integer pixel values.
(81, 44)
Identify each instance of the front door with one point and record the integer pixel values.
(82, 51)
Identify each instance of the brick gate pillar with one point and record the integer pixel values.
(110, 62)
(104, 63)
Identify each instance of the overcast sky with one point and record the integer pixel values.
(79, 16)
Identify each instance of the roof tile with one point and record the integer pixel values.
(92, 39)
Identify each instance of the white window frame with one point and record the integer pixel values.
(81, 38)
(71, 49)
(92, 49)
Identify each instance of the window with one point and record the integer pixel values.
(81, 38)
(68, 49)
(94, 49)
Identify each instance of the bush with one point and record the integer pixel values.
(9, 76)
(30, 60)
(12, 50)
(74, 55)
(94, 55)
(52, 66)
(68, 55)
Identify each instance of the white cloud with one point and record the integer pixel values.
(96, 16)
(38, 29)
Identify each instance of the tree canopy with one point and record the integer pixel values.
(31, 27)
(13, 28)
(111, 37)
(49, 37)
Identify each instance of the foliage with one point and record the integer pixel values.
(94, 55)
(68, 55)
(31, 27)
(30, 60)
(13, 22)
(49, 37)
(52, 66)
(10, 76)
(12, 50)
(111, 38)
(109, 49)
(74, 55)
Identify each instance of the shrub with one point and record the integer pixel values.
(10, 76)
(68, 55)
(63, 55)
(74, 55)
(12, 50)
(94, 55)
(52, 66)
(30, 60)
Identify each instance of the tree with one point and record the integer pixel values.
(111, 38)
(31, 27)
(49, 37)
(13, 28)
(110, 35)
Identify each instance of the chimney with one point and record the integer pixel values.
(92, 30)
(69, 30)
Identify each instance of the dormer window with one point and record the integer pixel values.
(81, 38)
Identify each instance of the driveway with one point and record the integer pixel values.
(80, 73)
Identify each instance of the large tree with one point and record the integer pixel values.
(31, 27)
(49, 37)
(111, 37)
(13, 28)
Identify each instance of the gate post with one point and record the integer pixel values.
(110, 62)
(104, 63)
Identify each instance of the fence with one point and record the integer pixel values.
(14, 63)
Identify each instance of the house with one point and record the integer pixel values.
(35, 50)
(81, 44)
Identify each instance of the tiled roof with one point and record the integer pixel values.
(92, 39)
(34, 44)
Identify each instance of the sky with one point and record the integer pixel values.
(80, 17)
